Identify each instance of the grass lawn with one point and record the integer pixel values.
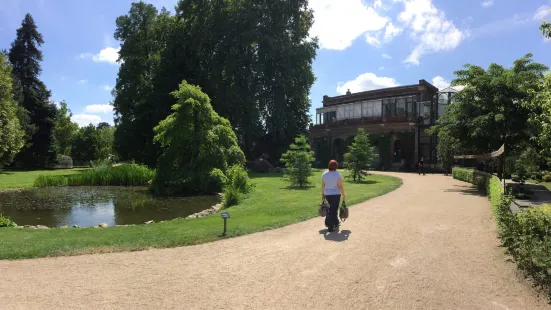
(271, 205)
(25, 179)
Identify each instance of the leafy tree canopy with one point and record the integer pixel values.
(253, 59)
(65, 129)
(11, 134)
(197, 144)
(492, 108)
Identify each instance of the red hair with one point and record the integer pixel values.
(333, 165)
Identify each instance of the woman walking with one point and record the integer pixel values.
(332, 191)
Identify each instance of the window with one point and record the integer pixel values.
(401, 107)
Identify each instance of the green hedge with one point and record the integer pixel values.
(526, 234)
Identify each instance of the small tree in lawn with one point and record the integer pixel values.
(298, 160)
(360, 156)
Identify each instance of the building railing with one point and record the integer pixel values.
(369, 120)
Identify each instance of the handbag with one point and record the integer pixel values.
(323, 208)
(343, 211)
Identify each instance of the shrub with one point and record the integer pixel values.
(526, 234)
(546, 178)
(298, 160)
(215, 181)
(232, 196)
(64, 162)
(237, 187)
(239, 179)
(6, 221)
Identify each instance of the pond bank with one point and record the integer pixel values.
(271, 205)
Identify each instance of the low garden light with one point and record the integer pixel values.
(225, 216)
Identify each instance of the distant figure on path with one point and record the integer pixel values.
(420, 166)
(332, 190)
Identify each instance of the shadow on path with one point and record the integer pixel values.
(470, 190)
(338, 236)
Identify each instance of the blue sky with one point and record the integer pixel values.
(364, 44)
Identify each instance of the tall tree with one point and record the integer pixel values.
(492, 108)
(11, 134)
(65, 129)
(253, 59)
(86, 144)
(25, 57)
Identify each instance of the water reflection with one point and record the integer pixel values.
(90, 206)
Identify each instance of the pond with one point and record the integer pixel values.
(90, 206)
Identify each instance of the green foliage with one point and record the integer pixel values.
(6, 221)
(92, 143)
(64, 130)
(237, 187)
(32, 95)
(490, 110)
(238, 178)
(526, 234)
(44, 180)
(254, 60)
(64, 162)
(526, 165)
(360, 155)
(545, 28)
(384, 143)
(11, 134)
(475, 177)
(540, 102)
(298, 160)
(546, 178)
(194, 141)
(123, 175)
(447, 147)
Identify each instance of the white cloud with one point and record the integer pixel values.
(542, 12)
(487, 3)
(391, 31)
(373, 39)
(86, 119)
(382, 68)
(108, 54)
(338, 23)
(107, 87)
(377, 38)
(98, 108)
(366, 81)
(441, 83)
(82, 82)
(386, 56)
(430, 29)
(377, 4)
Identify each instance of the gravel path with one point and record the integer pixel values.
(431, 244)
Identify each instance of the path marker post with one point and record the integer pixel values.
(225, 216)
